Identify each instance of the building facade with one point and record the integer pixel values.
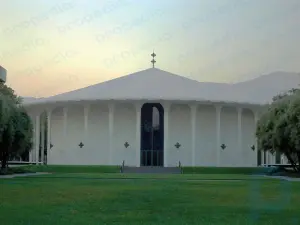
(127, 120)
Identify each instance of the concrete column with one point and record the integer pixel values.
(30, 158)
(86, 120)
(37, 138)
(271, 158)
(32, 150)
(256, 118)
(167, 107)
(218, 128)
(285, 160)
(30, 155)
(193, 108)
(239, 136)
(111, 108)
(138, 107)
(48, 132)
(65, 122)
(42, 138)
(267, 158)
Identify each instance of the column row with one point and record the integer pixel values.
(111, 109)
(34, 157)
(193, 110)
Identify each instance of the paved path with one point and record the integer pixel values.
(284, 178)
(21, 175)
(114, 178)
(135, 178)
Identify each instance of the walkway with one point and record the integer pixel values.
(21, 175)
(139, 178)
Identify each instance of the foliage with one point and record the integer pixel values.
(15, 170)
(278, 129)
(16, 127)
(10, 93)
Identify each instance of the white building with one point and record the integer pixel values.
(2, 74)
(148, 118)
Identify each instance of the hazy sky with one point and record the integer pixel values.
(53, 46)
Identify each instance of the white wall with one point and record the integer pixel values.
(56, 133)
(96, 143)
(66, 150)
(180, 131)
(230, 156)
(72, 153)
(32, 152)
(206, 136)
(249, 156)
(124, 130)
(98, 135)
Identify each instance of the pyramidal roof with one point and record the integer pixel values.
(149, 84)
(155, 84)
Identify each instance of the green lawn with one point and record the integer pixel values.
(94, 198)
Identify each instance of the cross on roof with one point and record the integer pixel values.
(153, 60)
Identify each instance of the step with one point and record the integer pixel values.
(149, 170)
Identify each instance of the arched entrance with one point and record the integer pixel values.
(152, 135)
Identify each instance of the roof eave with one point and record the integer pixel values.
(200, 101)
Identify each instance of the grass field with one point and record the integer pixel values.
(96, 198)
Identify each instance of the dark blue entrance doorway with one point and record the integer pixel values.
(152, 135)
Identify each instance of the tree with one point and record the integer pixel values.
(15, 126)
(10, 93)
(278, 129)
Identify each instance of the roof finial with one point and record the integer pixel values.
(153, 60)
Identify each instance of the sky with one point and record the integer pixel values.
(50, 47)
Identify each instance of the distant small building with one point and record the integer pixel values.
(2, 74)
